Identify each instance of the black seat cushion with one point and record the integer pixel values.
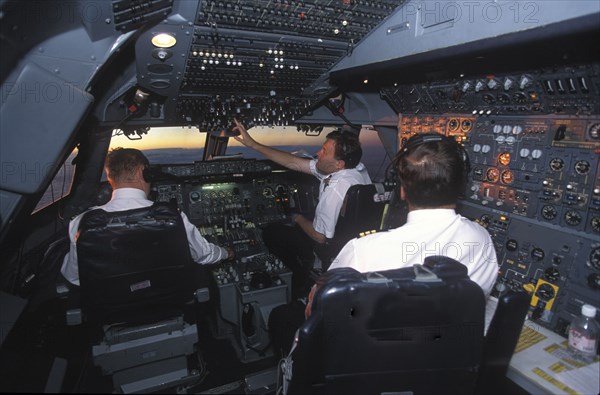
(134, 265)
(391, 331)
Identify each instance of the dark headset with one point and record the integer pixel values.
(148, 174)
(423, 138)
(350, 158)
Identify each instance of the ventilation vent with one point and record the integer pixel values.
(131, 14)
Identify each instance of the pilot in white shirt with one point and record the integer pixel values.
(124, 169)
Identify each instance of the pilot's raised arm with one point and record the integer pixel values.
(337, 168)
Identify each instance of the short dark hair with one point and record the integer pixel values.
(432, 173)
(121, 162)
(347, 147)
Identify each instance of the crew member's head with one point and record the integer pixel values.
(125, 168)
(431, 170)
(341, 150)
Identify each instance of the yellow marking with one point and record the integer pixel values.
(555, 382)
(529, 337)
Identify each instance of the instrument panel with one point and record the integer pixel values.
(533, 142)
(229, 201)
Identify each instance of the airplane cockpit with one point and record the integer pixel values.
(515, 83)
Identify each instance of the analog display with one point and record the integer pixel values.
(596, 224)
(594, 131)
(504, 158)
(520, 98)
(552, 274)
(453, 124)
(489, 99)
(507, 177)
(545, 292)
(492, 174)
(267, 192)
(549, 212)
(504, 98)
(557, 164)
(195, 196)
(594, 258)
(582, 167)
(466, 125)
(538, 254)
(572, 218)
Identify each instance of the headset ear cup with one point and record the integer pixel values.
(147, 174)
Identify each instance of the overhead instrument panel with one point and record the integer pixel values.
(570, 90)
(254, 58)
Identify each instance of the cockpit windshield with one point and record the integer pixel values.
(176, 145)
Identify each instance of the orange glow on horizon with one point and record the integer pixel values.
(184, 137)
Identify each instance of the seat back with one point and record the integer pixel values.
(135, 265)
(359, 213)
(500, 341)
(391, 331)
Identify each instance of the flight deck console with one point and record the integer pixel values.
(229, 201)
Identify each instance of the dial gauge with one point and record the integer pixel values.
(557, 164)
(492, 174)
(549, 212)
(504, 158)
(582, 167)
(572, 218)
(507, 177)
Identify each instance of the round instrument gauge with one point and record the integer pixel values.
(549, 212)
(596, 224)
(504, 98)
(594, 131)
(520, 98)
(195, 196)
(507, 177)
(504, 158)
(594, 258)
(552, 274)
(453, 124)
(545, 292)
(492, 174)
(557, 164)
(267, 192)
(572, 218)
(582, 167)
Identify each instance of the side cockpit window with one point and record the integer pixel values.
(61, 184)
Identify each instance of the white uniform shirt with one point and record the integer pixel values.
(332, 192)
(427, 232)
(126, 199)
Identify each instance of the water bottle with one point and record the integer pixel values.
(583, 334)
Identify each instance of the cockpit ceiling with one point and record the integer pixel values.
(256, 58)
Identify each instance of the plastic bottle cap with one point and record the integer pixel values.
(588, 310)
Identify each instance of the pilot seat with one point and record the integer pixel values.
(417, 330)
(138, 291)
(360, 213)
